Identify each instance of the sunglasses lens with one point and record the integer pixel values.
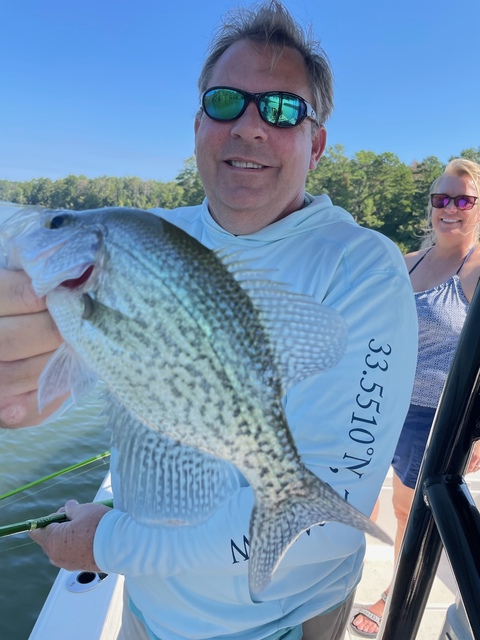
(464, 202)
(439, 200)
(282, 109)
(223, 104)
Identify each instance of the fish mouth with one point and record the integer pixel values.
(76, 283)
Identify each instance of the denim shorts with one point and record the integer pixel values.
(411, 444)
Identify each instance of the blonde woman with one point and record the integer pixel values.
(444, 274)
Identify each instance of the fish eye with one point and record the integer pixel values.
(58, 221)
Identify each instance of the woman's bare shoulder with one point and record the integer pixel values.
(474, 259)
(414, 256)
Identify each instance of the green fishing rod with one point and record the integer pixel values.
(38, 523)
(72, 467)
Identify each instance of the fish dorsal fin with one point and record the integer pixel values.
(163, 481)
(307, 337)
(64, 372)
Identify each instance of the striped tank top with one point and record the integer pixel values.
(441, 313)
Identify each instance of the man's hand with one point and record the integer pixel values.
(70, 544)
(28, 337)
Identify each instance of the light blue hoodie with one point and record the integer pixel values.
(191, 582)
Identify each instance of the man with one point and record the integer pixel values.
(265, 95)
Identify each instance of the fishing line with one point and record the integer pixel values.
(27, 543)
(99, 459)
(50, 476)
(60, 481)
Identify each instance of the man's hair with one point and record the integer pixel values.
(463, 168)
(270, 23)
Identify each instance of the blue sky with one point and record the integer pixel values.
(108, 87)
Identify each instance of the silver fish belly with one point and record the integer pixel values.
(182, 340)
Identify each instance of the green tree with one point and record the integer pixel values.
(12, 192)
(470, 154)
(65, 192)
(332, 176)
(424, 173)
(41, 191)
(102, 192)
(169, 195)
(377, 189)
(190, 182)
(382, 191)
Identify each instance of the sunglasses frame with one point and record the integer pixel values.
(257, 97)
(456, 200)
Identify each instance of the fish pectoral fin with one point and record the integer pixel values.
(273, 532)
(64, 372)
(165, 482)
(317, 332)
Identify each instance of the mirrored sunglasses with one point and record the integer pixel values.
(278, 108)
(441, 200)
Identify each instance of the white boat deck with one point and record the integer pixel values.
(95, 613)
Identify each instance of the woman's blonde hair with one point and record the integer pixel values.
(457, 167)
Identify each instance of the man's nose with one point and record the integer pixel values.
(250, 124)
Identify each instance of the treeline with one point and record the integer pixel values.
(80, 192)
(377, 189)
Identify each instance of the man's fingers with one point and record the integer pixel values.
(21, 376)
(28, 338)
(27, 335)
(17, 295)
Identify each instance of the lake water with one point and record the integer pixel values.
(27, 455)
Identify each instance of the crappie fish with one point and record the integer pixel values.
(194, 349)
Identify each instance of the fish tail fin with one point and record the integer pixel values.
(273, 531)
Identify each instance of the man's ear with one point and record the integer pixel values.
(196, 123)
(319, 142)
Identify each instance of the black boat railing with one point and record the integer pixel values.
(443, 513)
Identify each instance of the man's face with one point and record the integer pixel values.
(254, 173)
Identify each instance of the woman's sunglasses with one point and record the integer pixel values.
(441, 200)
(278, 108)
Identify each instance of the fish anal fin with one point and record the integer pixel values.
(165, 482)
